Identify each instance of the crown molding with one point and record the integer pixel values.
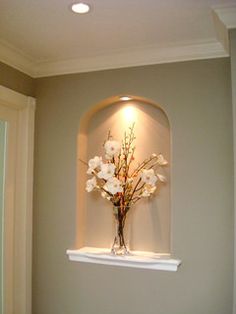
(117, 59)
(16, 58)
(226, 14)
(134, 57)
(224, 17)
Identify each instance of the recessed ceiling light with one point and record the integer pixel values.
(125, 98)
(80, 8)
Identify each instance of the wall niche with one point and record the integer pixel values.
(149, 219)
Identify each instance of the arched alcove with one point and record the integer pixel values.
(149, 219)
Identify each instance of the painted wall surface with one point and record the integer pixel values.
(16, 80)
(196, 96)
(233, 81)
(2, 171)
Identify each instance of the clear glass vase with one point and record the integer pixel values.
(120, 246)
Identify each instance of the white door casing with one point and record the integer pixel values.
(18, 111)
(9, 116)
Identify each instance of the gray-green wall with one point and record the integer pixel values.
(16, 80)
(2, 172)
(233, 82)
(197, 98)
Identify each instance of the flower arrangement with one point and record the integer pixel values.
(122, 181)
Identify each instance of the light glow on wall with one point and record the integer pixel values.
(129, 115)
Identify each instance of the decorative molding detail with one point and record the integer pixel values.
(136, 259)
(16, 58)
(226, 14)
(224, 17)
(135, 57)
(21, 233)
(117, 59)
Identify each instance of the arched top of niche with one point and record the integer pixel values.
(116, 100)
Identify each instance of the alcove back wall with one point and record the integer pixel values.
(197, 98)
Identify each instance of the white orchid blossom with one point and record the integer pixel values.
(161, 177)
(161, 160)
(107, 171)
(148, 190)
(91, 184)
(118, 179)
(94, 163)
(112, 148)
(113, 186)
(148, 176)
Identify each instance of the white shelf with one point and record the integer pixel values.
(136, 259)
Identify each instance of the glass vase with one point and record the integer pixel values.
(120, 246)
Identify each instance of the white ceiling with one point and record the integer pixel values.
(47, 35)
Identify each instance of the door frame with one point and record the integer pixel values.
(19, 298)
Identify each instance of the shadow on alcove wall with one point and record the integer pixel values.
(149, 219)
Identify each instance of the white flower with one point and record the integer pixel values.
(107, 171)
(108, 157)
(161, 160)
(94, 163)
(91, 184)
(113, 186)
(148, 176)
(161, 177)
(148, 190)
(112, 148)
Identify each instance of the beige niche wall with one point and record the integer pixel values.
(149, 219)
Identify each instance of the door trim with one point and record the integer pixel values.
(22, 248)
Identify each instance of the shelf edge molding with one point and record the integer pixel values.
(136, 259)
